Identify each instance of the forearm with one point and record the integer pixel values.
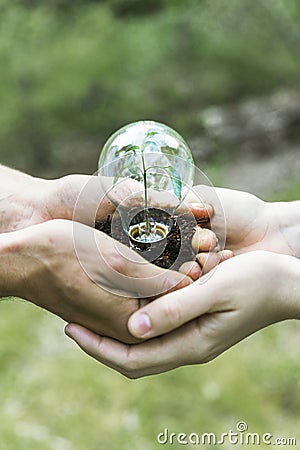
(27, 200)
(10, 271)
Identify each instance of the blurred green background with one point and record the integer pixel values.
(226, 75)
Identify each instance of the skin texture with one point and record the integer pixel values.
(252, 224)
(204, 318)
(68, 268)
(258, 287)
(41, 265)
(208, 254)
(202, 321)
(27, 201)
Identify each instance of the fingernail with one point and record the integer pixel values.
(140, 324)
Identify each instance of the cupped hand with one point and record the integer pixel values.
(252, 224)
(84, 198)
(200, 321)
(81, 275)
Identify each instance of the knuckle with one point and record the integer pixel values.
(210, 348)
(202, 258)
(209, 239)
(167, 284)
(204, 355)
(226, 254)
(191, 269)
(196, 239)
(207, 357)
(172, 311)
(212, 261)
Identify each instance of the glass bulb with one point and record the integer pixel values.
(146, 169)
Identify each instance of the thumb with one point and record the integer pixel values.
(170, 311)
(135, 275)
(122, 270)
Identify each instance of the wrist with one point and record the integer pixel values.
(11, 270)
(290, 286)
(283, 220)
(21, 203)
(23, 262)
(84, 193)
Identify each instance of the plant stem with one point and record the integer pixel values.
(147, 227)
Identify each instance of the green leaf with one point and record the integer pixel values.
(135, 173)
(128, 148)
(169, 151)
(147, 140)
(146, 143)
(176, 181)
(150, 134)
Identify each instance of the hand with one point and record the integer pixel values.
(206, 318)
(208, 254)
(80, 274)
(252, 224)
(26, 201)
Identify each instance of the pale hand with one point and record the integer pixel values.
(199, 322)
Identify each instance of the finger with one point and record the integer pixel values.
(204, 240)
(192, 269)
(201, 210)
(148, 280)
(172, 310)
(200, 205)
(193, 203)
(151, 357)
(167, 200)
(94, 345)
(226, 254)
(208, 261)
(128, 273)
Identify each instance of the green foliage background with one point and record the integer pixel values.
(72, 72)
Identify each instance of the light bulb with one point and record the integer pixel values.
(146, 169)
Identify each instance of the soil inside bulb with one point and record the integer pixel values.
(178, 240)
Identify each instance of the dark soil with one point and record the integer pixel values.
(169, 253)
